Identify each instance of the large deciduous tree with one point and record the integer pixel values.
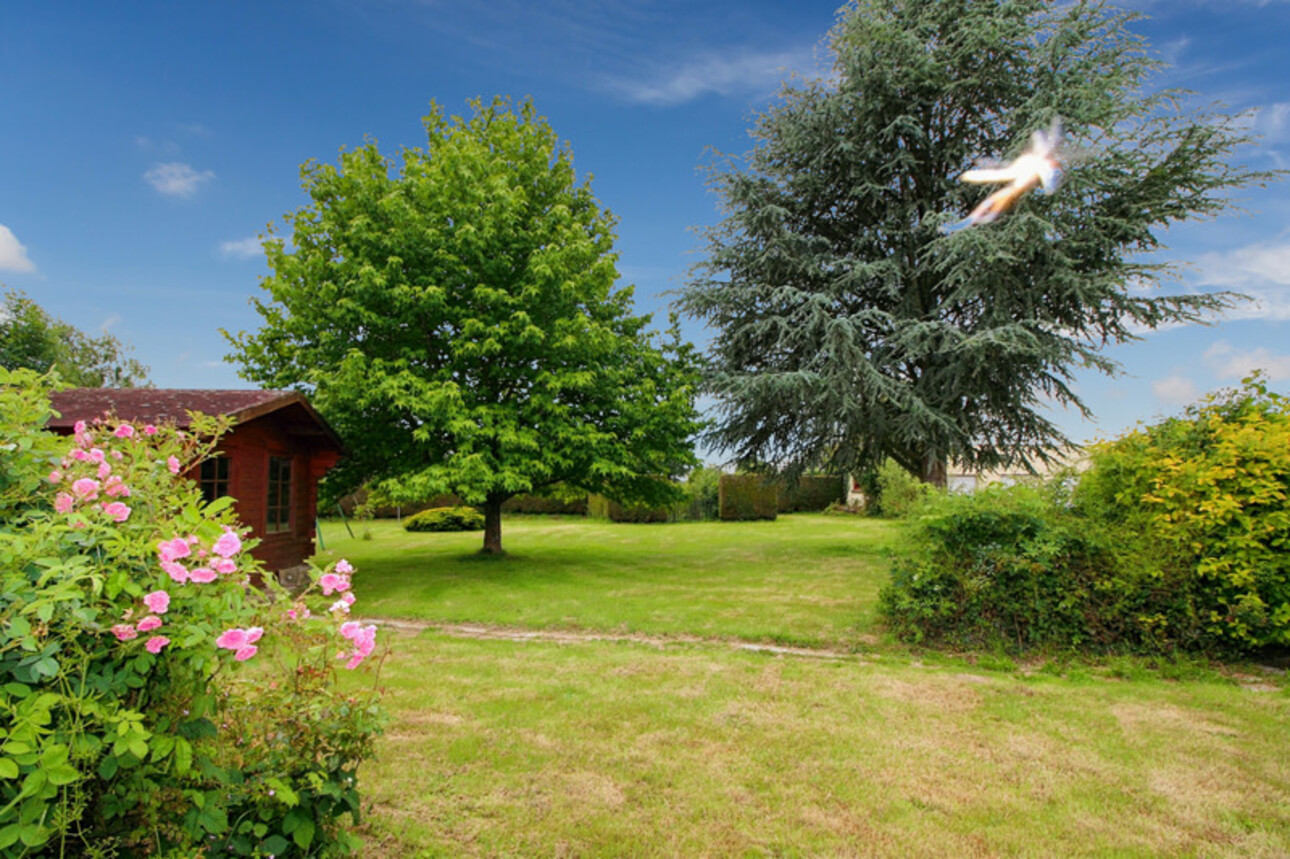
(31, 338)
(851, 326)
(458, 319)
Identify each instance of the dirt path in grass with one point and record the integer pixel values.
(503, 633)
(1265, 681)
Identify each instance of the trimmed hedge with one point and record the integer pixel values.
(600, 507)
(745, 497)
(813, 493)
(445, 519)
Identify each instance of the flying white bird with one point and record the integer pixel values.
(1040, 165)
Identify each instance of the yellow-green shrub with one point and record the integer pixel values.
(1208, 491)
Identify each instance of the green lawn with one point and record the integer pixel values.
(800, 579)
(693, 748)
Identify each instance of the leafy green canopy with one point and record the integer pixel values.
(459, 323)
(30, 338)
(849, 327)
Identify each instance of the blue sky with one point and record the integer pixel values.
(145, 145)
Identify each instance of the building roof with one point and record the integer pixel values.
(172, 405)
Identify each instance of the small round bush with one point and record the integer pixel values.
(445, 519)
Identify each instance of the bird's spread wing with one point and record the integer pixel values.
(990, 174)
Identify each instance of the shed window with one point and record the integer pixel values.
(213, 478)
(279, 506)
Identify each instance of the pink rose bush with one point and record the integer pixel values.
(154, 619)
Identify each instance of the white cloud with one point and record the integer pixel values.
(1261, 271)
(13, 254)
(177, 179)
(1175, 390)
(246, 248)
(746, 71)
(1229, 362)
(112, 319)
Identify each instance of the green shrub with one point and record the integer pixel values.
(600, 507)
(899, 492)
(136, 717)
(1005, 568)
(745, 497)
(445, 519)
(703, 493)
(812, 493)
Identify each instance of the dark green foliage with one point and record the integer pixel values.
(31, 338)
(746, 497)
(1008, 568)
(849, 328)
(460, 319)
(600, 507)
(445, 519)
(812, 493)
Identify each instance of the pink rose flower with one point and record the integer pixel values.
(203, 575)
(149, 623)
(348, 598)
(124, 631)
(63, 503)
(155, 643)
(79, 427)
(86, 489)
(339, 606)
(157, 602)
(332, 582)
(237, 639)
(118, 455)
(241, 641)
(173, 464)
(223, 566)
(344, 567)
(175, 570)
(228, 545)
(104, 470)
(124, 431)
(149, 430)
(173, 550)
(55, 476)
(364, 638)
(96, 455)
(116, 488)
(117, 510)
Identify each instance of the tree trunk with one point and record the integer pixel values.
(493, 526)
(934, 470)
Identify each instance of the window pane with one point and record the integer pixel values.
(278, 511)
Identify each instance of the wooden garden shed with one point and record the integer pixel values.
(270, 462)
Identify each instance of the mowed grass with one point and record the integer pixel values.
(694, 748)
(802, 579)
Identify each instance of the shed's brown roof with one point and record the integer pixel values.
(171, 405)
